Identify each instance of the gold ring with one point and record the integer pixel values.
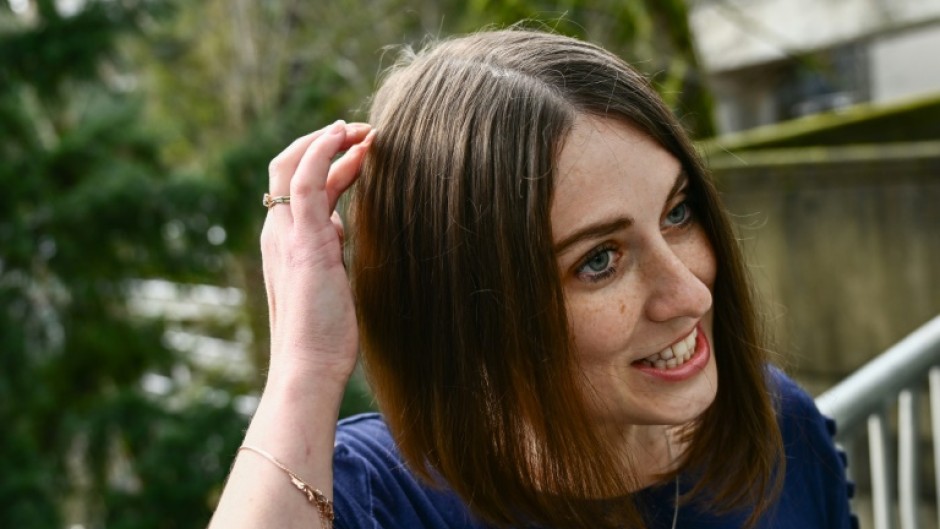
(268, 201)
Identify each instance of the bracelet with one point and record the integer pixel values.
(315, 496)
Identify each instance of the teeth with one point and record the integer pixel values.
(674, 356)
(681, 349)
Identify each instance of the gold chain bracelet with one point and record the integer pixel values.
(315, 496)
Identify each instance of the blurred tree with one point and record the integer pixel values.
(259, 75)
(652, 35)
(86, 212)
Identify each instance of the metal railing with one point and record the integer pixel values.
(865, 398)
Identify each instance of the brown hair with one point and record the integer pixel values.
(462, 315)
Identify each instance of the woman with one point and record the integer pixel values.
(553, 312)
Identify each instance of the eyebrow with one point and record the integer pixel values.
(681, 179)
(606, 227)
(591, 231)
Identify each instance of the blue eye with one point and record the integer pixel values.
(599, 262)
(598, 266)
(679, 215)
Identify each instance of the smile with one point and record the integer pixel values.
(681, 361)
(674, 356)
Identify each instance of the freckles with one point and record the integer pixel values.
(623, 308)
(706, 264)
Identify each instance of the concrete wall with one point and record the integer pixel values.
(906, 64)
(844, 246)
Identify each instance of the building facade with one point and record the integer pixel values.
(774, 60)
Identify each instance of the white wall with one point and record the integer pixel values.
(906, 64)
(733, 34)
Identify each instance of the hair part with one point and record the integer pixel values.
(463, 321)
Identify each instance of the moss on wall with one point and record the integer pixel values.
(909, 121)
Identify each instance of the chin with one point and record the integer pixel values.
(649, 402)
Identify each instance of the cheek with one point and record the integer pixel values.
(699, 257)
(603, 324)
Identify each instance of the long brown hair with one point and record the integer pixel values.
(462, 315)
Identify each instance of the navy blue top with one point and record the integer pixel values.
(373, 489)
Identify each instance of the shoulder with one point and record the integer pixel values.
(363, 448)
(353, 473)
(364, 435)
(373, 487)
(815, 480)
(801, 423)
(790, 398)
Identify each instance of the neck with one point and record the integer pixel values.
(652, 450)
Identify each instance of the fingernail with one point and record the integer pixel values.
(366, 142)
(337, 127)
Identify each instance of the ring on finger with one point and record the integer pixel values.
(270, 201)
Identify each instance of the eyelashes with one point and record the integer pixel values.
(602, 262)
(599, 264)
(680, 215)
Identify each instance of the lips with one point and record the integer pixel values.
(675, 355)
(680, 361)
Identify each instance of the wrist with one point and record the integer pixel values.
(292, 405)
(308, 382)
(296, 422)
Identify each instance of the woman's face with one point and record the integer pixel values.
(637, 272)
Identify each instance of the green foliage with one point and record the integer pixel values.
(908, 121)
(83, 214)
(653, 35)
(180, 456)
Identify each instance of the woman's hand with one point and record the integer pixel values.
(313, 335)
(312, 317)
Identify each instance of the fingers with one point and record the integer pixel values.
(283, 167)
(355, 133)
(308, 185)
(281, 171)
(345, 170)
(318, 182)
(304, 170)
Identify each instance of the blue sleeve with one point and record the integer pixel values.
(352, 491)
(816, 490)
(374, 489)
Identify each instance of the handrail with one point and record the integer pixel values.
(864, 391)
(897, 375)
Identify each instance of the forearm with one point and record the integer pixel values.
(314, 338)
(296, 423)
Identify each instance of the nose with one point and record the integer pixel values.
(679, 282)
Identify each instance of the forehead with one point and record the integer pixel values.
(607, 167)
